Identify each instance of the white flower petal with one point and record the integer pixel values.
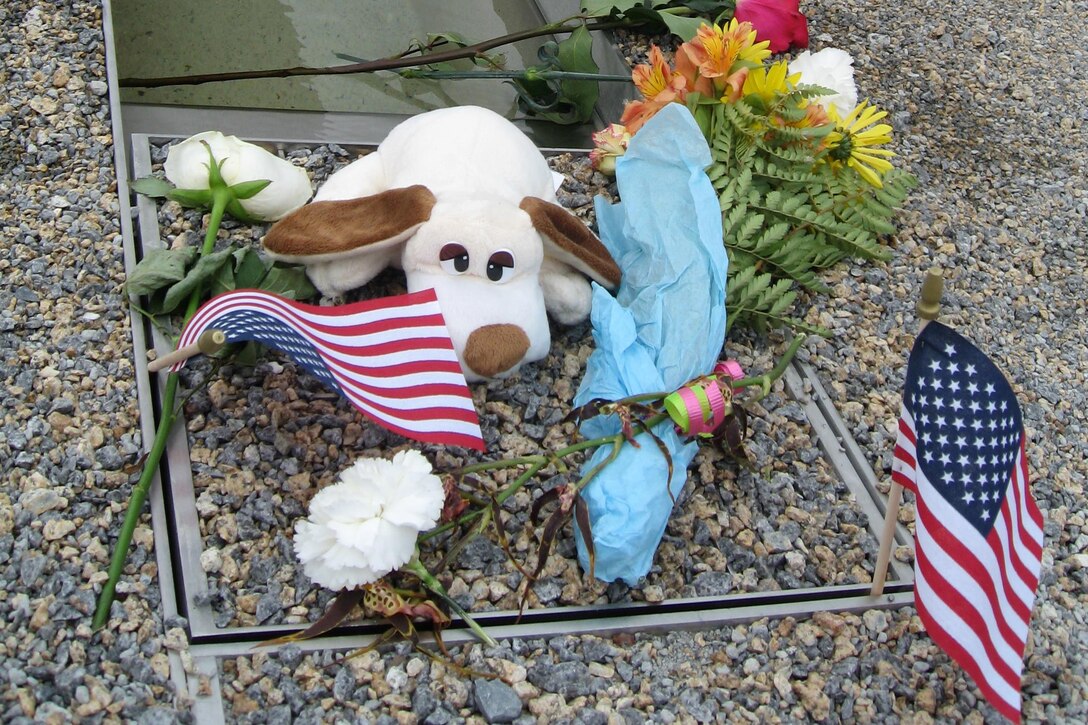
(187, 162)
(411, 460)
(312, 541)
(344, 502)
(830, 68)
(289, 190)
(340, 578)
(363, 535)
(366, 472)
(187, 168)
(419, 504)
(394, 548)
(367, 524)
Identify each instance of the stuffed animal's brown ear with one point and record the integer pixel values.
(332, 228)
(567, 239)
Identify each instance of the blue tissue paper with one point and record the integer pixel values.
(665, 326)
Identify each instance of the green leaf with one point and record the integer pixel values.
(249, 189)
(153, 186)
(202, 273)
(450, 37)
(708, 7)
(290, 281)
(249, 270)
(160, 268)
(191, 197)
(576, 54)
(604, 8)
(684, 27)
(223, 281)
(563, 101)
(247, 354)
(236, 210)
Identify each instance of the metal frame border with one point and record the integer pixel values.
(176, 513)
(186, 543)
(179, 544)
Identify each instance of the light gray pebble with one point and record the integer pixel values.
(569, 679)
(1000, 206)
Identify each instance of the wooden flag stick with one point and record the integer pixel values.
(928, 308)
(209, 343)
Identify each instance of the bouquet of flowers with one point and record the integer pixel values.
(801, 168)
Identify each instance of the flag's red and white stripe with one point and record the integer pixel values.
(974, 593)
(391, 357)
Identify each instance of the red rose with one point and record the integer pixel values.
(779, 21)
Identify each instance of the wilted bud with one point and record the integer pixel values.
(611, 143)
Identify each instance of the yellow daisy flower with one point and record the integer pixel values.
(768, 82)
(854, 141)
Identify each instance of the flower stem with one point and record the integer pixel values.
(168, 416)
(543, 75)
(767, 379)
(415, 566)
(393, 63)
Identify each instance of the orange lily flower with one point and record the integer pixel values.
(659, 86)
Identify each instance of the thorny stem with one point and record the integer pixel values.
(398, 61)
(221, 197)
(544, 75)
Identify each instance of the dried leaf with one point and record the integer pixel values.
(500, 534)
(547, 537)
(402, 623)
(454, 504)
(337, 612)
(668, 461)
(545, 498)
(551, 529)
(731, 433)
(381, 599)
(581, 519)
(584, 412)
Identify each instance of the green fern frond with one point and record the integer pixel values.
(787, 214)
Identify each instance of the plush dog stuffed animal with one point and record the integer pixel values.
(465, 203)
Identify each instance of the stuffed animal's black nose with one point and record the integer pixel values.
(494, 349)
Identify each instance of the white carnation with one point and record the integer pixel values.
(366, 525)
(829, 68)
(187, 168)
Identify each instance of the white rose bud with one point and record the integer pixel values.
(187, 168)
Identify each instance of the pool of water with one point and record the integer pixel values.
(168, 38)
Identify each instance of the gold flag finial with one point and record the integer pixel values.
(929, 305)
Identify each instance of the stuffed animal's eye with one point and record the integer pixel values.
(453, 258)
(500, 266)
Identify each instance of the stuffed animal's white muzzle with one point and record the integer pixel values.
(494, 327)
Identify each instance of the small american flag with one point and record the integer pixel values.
(391, 357)
(978, 531)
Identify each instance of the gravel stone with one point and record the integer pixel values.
(991, 121)
(496, 701)
(569, 679)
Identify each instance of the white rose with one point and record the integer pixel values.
(366, 525)
(187, 168)
(833, 69)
